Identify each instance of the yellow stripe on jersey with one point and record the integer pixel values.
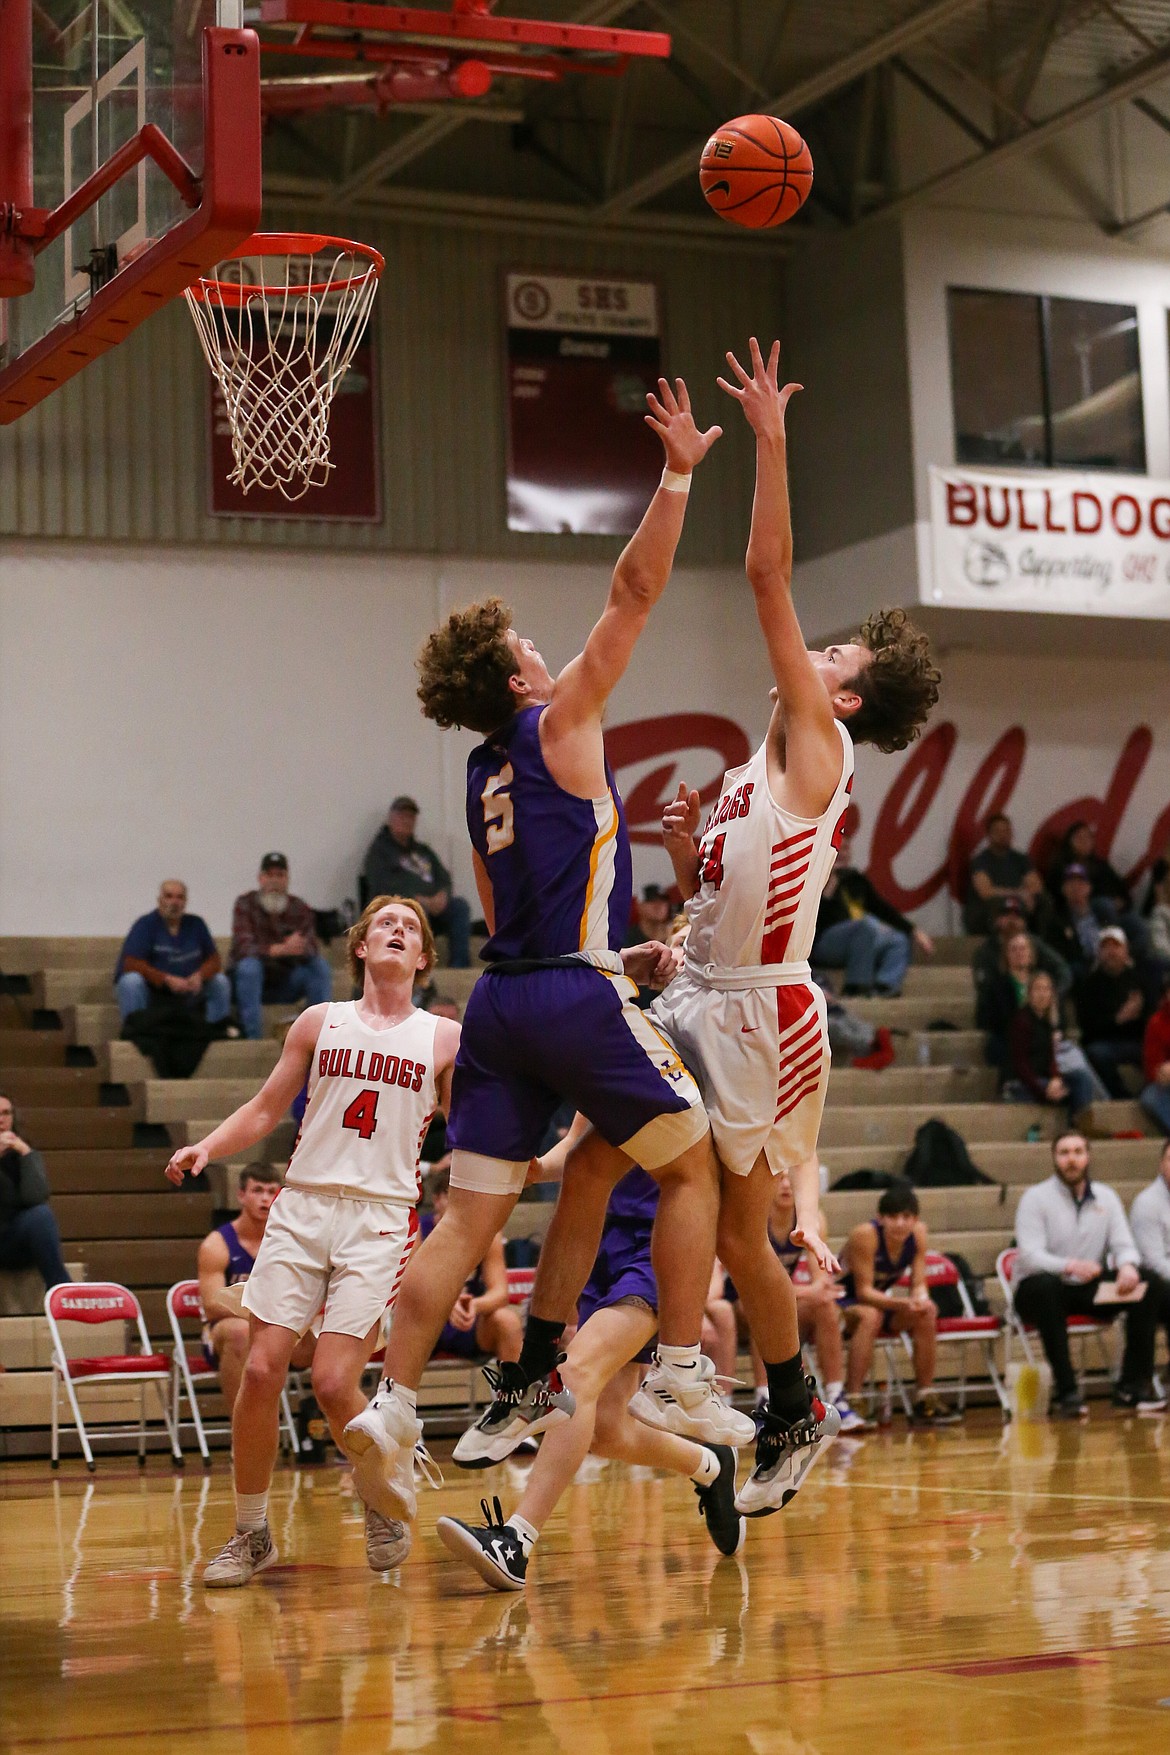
(594, 934)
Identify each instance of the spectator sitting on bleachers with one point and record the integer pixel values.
(998, 999)
(1112, 1006)
(878, 1252)
(1042, 1065)
(818, 1308)
(226, 1257)
(653, 913)
(29, 1237)
(990, 957)
(1155, 1097)
(1159, 919)
(1002, 870)
(398, 865)
(275, 956)
(1074, 927)
(1069, 1230)
(1149, 1219)
(482, 1322)
(862, 933)
(169, 951)
(1107, 887)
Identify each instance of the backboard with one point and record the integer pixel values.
(147, 88)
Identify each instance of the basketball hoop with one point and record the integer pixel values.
(279, 322)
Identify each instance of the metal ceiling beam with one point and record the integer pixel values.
(798, 97)
(403, 151)
(1144, 73)
(687, 33)
(1036, 49)
(941, 102)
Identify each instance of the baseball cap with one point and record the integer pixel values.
(1114, 932)
(274, 862)
(1074, 870)
(653, 893)
(402, 802)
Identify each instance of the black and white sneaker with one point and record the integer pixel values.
(494, 1550)
(726, 1528)
(785, 1452)
(516, 1411)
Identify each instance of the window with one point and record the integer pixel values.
(1053, 383)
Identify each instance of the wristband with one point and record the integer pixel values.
(674, 483)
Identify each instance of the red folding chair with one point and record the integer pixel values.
(964, 1330)
(190, 1373)
(97, 1302)
(1080, 1328)
(520, 1283)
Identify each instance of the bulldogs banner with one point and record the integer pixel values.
(1066, 544)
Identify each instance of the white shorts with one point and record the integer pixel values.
(761, 1057)
(327, 1254)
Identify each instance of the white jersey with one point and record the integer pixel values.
(372, 1094)
(762, 870)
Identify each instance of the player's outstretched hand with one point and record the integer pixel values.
(808, 1237)
(188, 1160)
(680, 819)
(761, 396)
(671, 418)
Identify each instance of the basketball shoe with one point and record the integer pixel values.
(785, 1452)
(241, 1558)
(516, 1411)
(387, 1541)
(380, 1442)
(493, 1549)
(725, 1526)
(689, 1403)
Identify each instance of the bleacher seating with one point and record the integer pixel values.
(106, 1126)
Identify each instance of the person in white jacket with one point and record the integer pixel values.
(1149, 1219)
(1070, 1230)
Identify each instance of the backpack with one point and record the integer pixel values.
(863, 1179)
(939, 1159)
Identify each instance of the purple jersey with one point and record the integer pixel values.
(240, 1263)
(634, 1201)
(559, 866)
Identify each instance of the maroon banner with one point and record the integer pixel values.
(582, 353)
(353, 487)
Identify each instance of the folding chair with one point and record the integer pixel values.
(1080, 1328)
(959, 1331)
(520, 1283)
(96, 1302)
(190, 1373)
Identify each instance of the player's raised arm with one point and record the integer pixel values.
(641, 574)
(253, 1120)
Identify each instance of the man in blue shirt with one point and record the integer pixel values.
(171, 951)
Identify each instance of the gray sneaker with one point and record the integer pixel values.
(517, 1411)
(240, 1559)
(387, 1541)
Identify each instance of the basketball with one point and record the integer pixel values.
(756, 171)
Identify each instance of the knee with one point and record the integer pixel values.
(581, 1375)
(869, 1320)
(131, 987)
(232, 1337)
(734, 1250)
(218, 987)
(330, 1384)
(263, 1376)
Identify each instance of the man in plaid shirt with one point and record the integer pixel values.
(275, 955)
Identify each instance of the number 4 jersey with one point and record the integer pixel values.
(372, 1094)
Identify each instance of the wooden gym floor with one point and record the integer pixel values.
(971, 1589)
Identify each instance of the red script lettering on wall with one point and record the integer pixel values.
(674, 734)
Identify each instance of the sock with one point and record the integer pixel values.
(760, 1396)
(708, 1469)
(787, 1393)
(525, 1532)
(388, 1387)
(542, 1341)
(834, 1391)
(679, 1358)
(251, 1510)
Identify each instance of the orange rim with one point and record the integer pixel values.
(234, 292)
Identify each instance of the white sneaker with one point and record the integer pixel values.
(241, 1558)
(380, 1443)
(851, 1420)
(689, 1403)
(387, 1541)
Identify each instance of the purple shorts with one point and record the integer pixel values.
(622, 1270)
(535, 1040)
(459, 1341)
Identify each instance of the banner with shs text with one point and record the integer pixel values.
(1066, 544)
(582, 353)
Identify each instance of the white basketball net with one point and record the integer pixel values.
(279, 332)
